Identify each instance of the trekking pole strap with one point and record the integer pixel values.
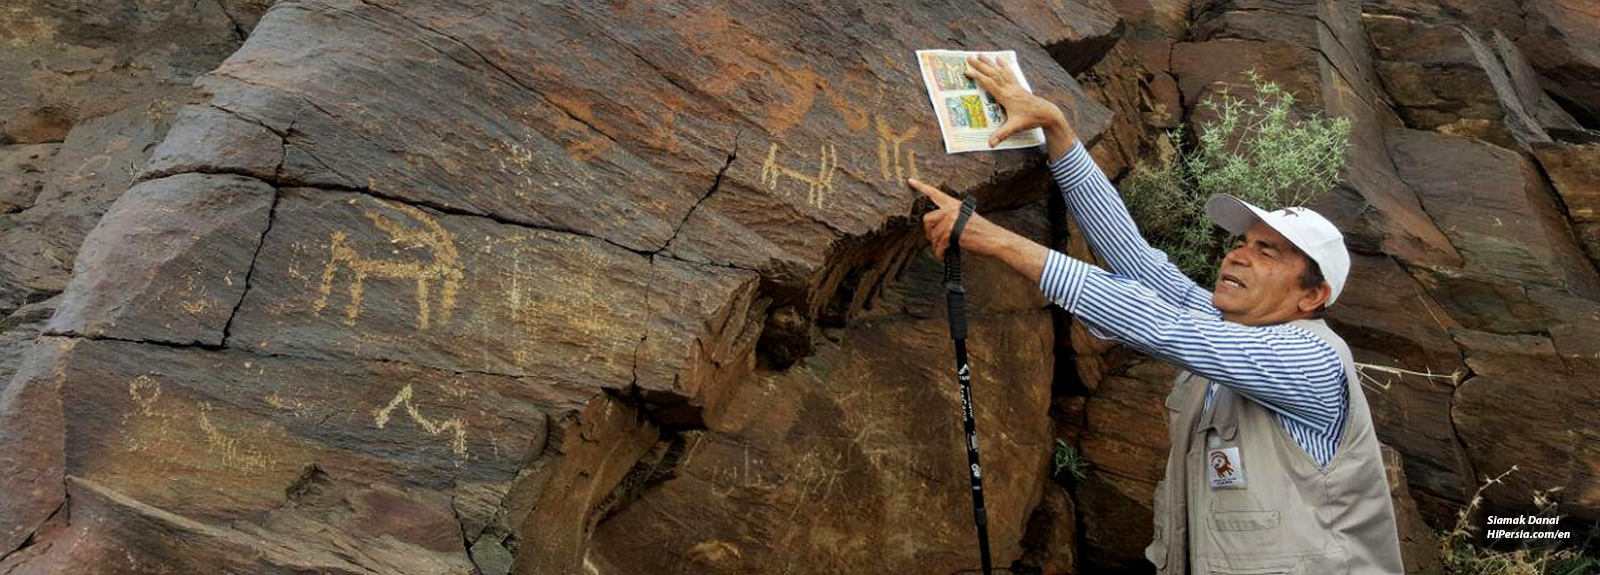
(955, 292)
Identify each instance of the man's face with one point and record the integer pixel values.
(1259, 283)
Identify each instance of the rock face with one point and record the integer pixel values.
(91, 87)
(508, 288)
(486, 287)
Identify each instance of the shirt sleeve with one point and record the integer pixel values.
(1113, 235)
(1287, 369)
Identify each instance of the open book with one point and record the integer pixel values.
(967, 114)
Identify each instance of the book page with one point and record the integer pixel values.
(967, 114)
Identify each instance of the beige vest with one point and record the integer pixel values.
(1273, 510)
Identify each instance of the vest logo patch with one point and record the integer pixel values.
(1224, 468)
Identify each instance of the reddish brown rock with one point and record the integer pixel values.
(1077, 33)
(1557, 36)
(378, 453)
(1144, 103)
(1115, 513)
(1562, 38)
(1419, 546)
(1051, 540)
(349, 275)
(1498, 211)
(26, 167)
(100, 92)
(1457, 81)
(865, 432)
(1574, 172)
(89, 170)
(1127, 423)
(147, 276)
(1542, 425)
(1125, 445)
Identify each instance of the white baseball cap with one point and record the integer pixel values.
(1313, 234)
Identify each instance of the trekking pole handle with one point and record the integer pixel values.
(955, 292)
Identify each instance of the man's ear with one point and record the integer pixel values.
(1311, 299)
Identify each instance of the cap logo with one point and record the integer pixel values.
(1290, 212)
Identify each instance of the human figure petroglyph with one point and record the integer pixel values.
(889, 157)
(458, 443)
(817, 186)
(445, 267)
(145, 391)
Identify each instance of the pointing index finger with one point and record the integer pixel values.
(939, 198)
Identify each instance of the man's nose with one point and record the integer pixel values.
(1236, 256)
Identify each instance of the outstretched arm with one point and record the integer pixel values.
(1099, 209)
(1285, 368)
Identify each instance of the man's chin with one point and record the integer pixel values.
(1224, 304)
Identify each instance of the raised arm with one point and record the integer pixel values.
(1099, 210)
(1113, 235)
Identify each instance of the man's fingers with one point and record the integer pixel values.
(939, 198)
(983, 81)
(981, 64)
(995, 70)
(1000, 72)
(976, 70)
(1011, 126)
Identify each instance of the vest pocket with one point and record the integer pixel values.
(1279, 570)
(1244, 520)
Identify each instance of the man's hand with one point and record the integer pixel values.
(1024, 111)
(980, 237)
(939, 223)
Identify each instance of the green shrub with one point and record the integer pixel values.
(1067, 458)
(1254, 148)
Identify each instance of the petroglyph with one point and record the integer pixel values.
(231, 450)
(518, 161)
(815, 474)
(890, 162)
(818, 186)
(445, 267)
(730, 481)
(458, 443)
(145, 392)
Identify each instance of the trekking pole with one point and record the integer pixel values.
(954, 295)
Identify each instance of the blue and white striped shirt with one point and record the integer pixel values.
(1156, 309)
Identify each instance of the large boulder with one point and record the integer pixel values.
(1125, 444)
(482, 287)
(853, 458)
(1499, 212)
(1560, 38)
(90, 88)
(1451, 79)
(1419, 546)
(1543, 426)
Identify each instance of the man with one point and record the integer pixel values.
(1274, 466)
